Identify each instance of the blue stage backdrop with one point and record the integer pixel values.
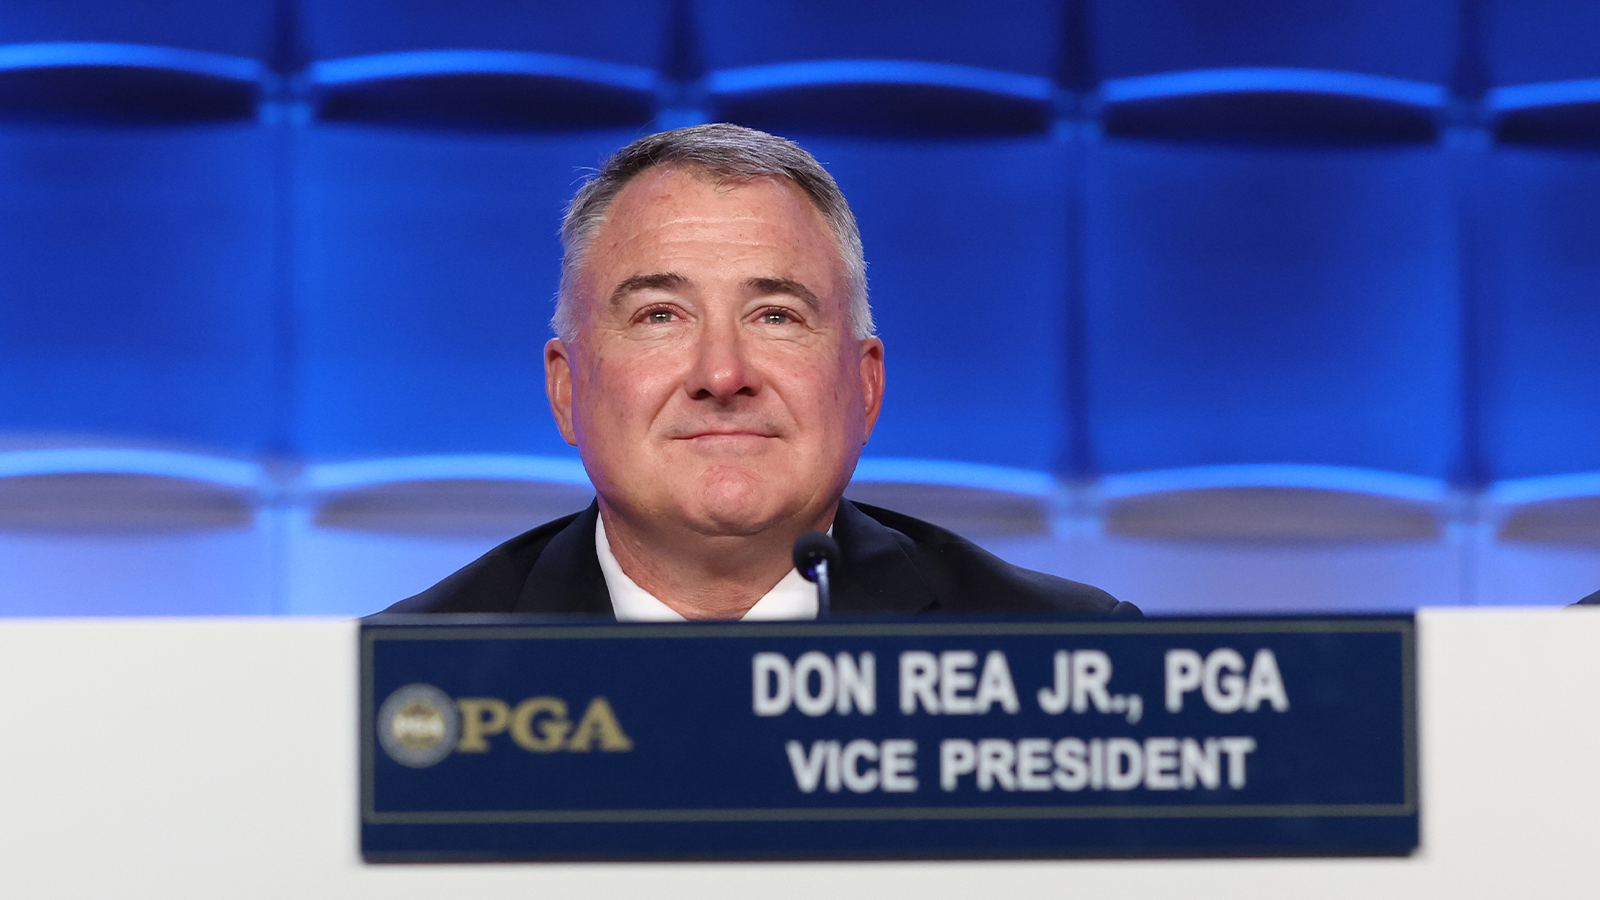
(1223, 305)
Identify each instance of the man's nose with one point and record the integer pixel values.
(722, 367)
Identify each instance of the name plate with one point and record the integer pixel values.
(508, 739)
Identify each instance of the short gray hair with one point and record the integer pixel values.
(726, 152)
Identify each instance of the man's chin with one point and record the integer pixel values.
(737, 502)
(733, 521)
(740, 510)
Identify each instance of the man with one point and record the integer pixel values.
(717, 370)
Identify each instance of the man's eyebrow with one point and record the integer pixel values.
(662, 281)
(785, 286)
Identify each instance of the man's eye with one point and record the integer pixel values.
(776, 317)
(658, 316)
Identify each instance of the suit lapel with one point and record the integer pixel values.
(878, 575)
(566, 578)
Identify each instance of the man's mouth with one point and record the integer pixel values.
(728, 440)
(728, 436)
(724, 431)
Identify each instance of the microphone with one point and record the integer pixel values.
(816, 557)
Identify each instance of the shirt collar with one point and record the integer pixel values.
(791, 598)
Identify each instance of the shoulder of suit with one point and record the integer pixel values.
(980, 581)
(490, 583)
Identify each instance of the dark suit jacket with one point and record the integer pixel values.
(890, 564)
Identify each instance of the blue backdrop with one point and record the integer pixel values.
(1117, 250)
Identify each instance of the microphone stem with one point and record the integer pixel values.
(824, 590)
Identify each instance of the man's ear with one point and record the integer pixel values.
(871, 381)
(558, 387)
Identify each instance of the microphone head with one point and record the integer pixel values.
(811, 548)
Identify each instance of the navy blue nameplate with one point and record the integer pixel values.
(513, 739)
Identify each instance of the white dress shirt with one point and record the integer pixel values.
(793, 597)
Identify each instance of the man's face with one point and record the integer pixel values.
(713, 383)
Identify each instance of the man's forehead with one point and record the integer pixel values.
(665, 207)
(655, 192)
